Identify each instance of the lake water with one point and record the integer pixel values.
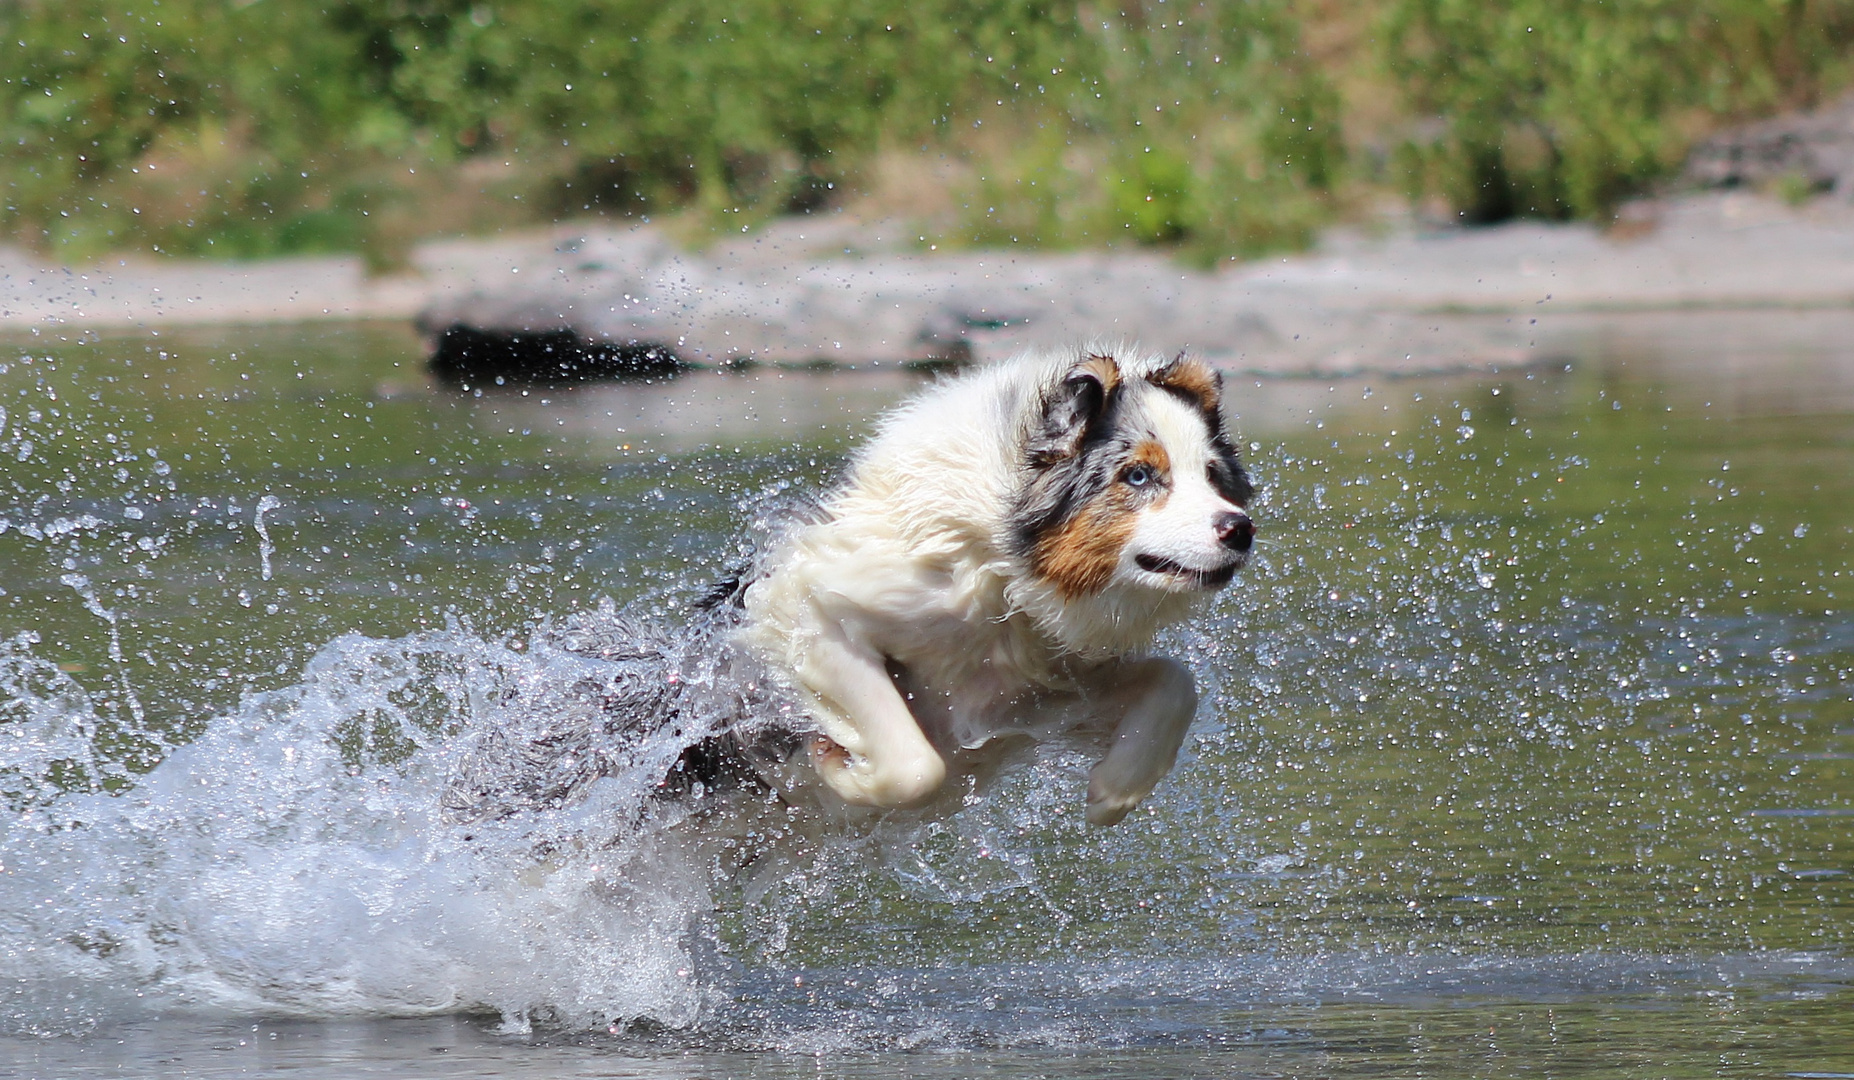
(1527, 745)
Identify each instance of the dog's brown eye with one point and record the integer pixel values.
(1138, 476)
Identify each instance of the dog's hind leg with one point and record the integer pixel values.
(879, 756)
(1159, 697)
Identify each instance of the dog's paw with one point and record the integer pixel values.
(827, 756)
(863, 782)
(1107, 806)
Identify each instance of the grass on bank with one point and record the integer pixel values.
(245, 128)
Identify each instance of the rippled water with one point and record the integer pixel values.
(1526, 745)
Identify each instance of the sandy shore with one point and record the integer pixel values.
(832, 288)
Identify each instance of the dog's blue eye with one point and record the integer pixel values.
(1138, 476)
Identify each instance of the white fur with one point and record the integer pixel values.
(1181, 530)
(912, 564)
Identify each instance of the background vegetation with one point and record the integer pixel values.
(1224, 127)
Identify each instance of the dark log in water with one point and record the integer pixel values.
(466, 356)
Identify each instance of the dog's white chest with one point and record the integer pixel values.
(967, 683)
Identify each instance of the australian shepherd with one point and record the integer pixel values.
(997, 561)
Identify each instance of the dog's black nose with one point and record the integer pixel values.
(1235, 531)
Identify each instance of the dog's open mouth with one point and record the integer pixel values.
(1203, 579)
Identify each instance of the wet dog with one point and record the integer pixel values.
(995, 563)
(998, 561)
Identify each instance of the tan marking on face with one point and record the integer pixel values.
(1151, 453)
(1189, 375)
(1080, 555)
(1105, 370)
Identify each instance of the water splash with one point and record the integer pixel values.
(299, 859)
(1467, 711)
(80, 584)
(265, 548)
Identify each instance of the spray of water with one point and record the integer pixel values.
(1438, 717)
(308, 856)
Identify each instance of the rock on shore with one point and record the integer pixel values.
(603, 299)
(806, 291)
(1810, 152)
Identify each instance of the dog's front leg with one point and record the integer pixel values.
(879, 757)
(1159, 697)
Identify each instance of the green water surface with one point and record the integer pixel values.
(1526, 748)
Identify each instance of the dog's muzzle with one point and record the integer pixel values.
(1234, 531)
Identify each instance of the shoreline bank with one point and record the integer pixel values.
(830, 289)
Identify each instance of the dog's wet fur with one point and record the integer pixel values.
(1071, 520)
(995, 563)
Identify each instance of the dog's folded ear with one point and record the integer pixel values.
(1071, 408)
(1193, 380)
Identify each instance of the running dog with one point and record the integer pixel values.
(997, 561)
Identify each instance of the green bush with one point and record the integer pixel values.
(258, 127)
(1558, 108)
(1159, 130)
(1156, 198)
(274, 120)
(177, 122)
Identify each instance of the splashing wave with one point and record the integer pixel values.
(328, 848)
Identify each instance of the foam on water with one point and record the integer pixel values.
(300, 859)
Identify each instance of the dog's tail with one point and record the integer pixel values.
(727, 592)
(773, 515)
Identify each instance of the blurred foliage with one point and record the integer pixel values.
(256, 127)
(1559, 108)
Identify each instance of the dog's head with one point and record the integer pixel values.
(1132, 481)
